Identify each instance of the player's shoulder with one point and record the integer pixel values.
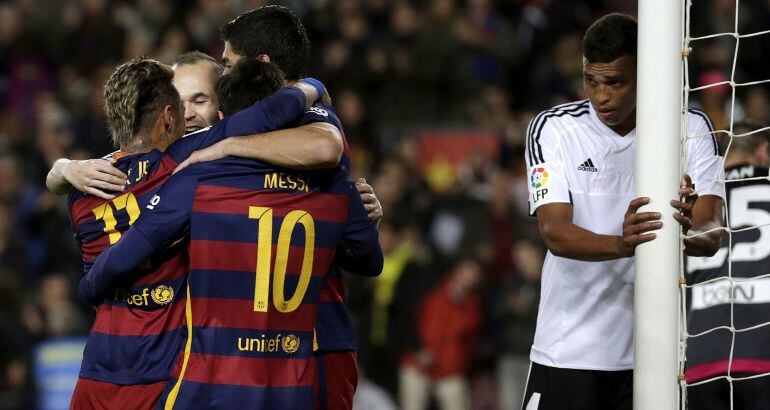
(320, 112)
(550, 123)
(573, 109)
(698, 118)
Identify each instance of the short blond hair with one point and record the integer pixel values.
(134, 95)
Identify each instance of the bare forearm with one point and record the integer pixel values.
(313, 146)
(706, 219)
(55, 181)
(568, 240)
(705, 244)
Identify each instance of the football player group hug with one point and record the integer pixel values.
(218, 283)
(215, 258)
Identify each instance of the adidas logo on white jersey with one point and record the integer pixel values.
(587, 165)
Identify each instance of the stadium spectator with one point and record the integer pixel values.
(448, 325)
(515, 312)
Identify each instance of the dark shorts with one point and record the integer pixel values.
(91, 394)
(337, 379)
(752, 394)
(552, 388)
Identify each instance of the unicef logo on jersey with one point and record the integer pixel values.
(162, 295)
(290, 344)
(539, 178)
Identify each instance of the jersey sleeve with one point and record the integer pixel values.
(546, 178)
(703, 162)
(274, 112)
(361, 252)
(161, 223)
(320, 112)
(166, 217)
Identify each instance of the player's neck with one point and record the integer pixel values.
(140, 144)
(739, 159)
(626, 126)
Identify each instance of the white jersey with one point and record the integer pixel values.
(585, 319)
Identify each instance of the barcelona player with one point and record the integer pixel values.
(261, 240)
(252, 35)
(135, 337)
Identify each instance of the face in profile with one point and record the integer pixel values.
(195, 83)
(611, 87)
(229, 57)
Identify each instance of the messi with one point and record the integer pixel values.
(280, 180)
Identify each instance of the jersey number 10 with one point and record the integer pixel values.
(264, 256)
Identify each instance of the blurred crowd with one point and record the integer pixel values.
(435, 97)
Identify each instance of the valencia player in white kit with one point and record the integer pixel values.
(581, 165)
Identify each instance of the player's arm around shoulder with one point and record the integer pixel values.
(95, 177)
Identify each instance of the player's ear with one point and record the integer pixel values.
(264, 57)
(221, 115)
(168, 118)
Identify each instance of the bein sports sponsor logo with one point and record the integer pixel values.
(288, 344)
(720, 293)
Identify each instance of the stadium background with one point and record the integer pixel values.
(435, 97)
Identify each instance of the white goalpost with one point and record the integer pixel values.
(661, 330)
(659, 125)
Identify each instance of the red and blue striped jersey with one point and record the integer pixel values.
(136, 335)
(334, 329)
(261, 241)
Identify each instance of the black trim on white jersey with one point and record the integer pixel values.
(574, 109)
(709, 124)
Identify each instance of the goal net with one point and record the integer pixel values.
(724, 300)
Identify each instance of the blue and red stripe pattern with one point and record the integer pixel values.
(334, 329)
(239, 354)
(139, 327)
(261, 242)
(137, 332)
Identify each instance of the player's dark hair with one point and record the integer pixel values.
(134, 95)
(610, 38)
(272, 30)
(194, 57)
(248, 82)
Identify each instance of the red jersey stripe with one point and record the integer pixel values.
(239, 256)
(227, 200)
(240, 314)
(247, 371)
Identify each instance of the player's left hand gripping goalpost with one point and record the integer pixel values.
(659, 93)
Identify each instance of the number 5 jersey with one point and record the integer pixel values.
(711, 297)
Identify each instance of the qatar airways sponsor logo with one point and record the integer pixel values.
(720, 293)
